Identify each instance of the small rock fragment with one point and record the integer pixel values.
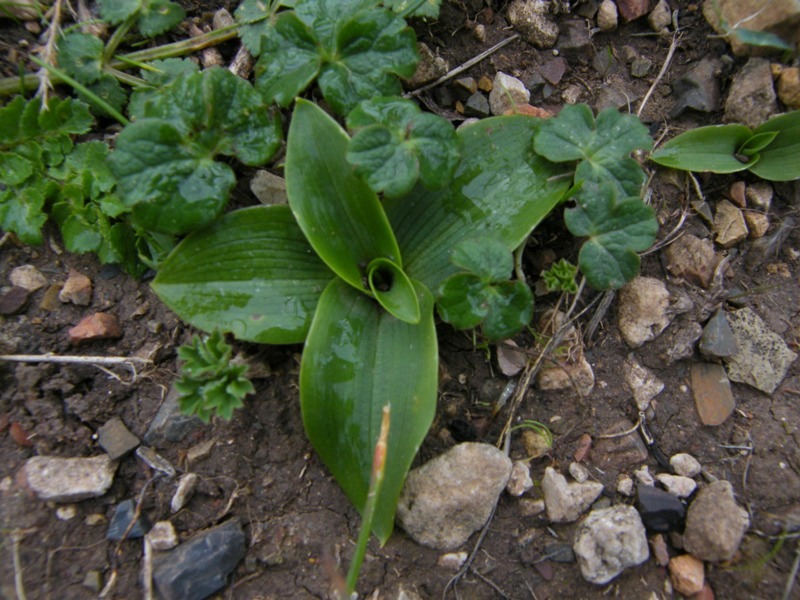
(69, 479)
(27, 277)
(116, 439)
(660, 18)
(679, 486)
(66, 513)
(270, 189)
(155, 461)
(13, 300)
(609, 541)
(643, 310)
(660, 511)
(566, 502)
(93, 580)
(715, 524)
(520, 480)
(583, 448)
(699, 88)
(751, 99)
(630, 10)
(506, 93)
(570, 373)
(641, 66)
(560, 553)
(574, 41)
(452, 561)
(536, 443)
(643, 476)
(464, 87)
(124, 515)
(789, 87)
(625, 486)
(757, 224)
(170, 425)
(485, 84)
(77, 289)
(607, 16)
(477, 106)
(578, 472)
(685, 465)
(186, 486)
(447, 499)
(759, 196)
(200, 566)
(429, 68)
(530, 18)
(687, 574)
(718, 340)
(692, 259)
(729, 225)
(99, 326)
(619, 451)
(553, 70)
(200, 451)
(782, 19)
(642, 382)
(712, 393)
(162, 536)
(737, 194)
(660, 550)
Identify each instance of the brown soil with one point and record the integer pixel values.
(262, 469)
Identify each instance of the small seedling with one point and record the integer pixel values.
(561, 277)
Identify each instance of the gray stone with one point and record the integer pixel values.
(751, 99)
(641, 66)
(566, 502)
(13, 300)
(477, 106)
(69, 479)
(660, 18)
(507, 93)
(715, 524)
(553, 70)
(718, 340)
(619, 451)
(200, 566)
(155, 461)
(429, 68)
(186, 486)
(676, 343)
(530, 18)
(270, 189)
(116, 439)
(643, 310)
(447, 499)
(574, 41)
(607, 16)
(699, 88)
(27, 277)
(685, 465)
(762, 359)
(520, 480)
(682, 487)
(614, 96)
(609, 541)
(578, 472)
(170, 425)
(642, 382)
(120, 523)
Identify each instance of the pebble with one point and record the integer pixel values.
(27, 277)
(578, 472)
(620, 451)
(200, 451)
(450, 497)
(737, 194)
(712, 393)
(186, 486)
(607, 16)
(13, 300)
(660, 511)
(692, 259)
(642, 382)
(477, 106)
(531, 20)
(520, 480)
(759, 196)
(554, 69)
(170, 425)
(531, 508)
(687, 574)
(93, 580)
(464, 87)
(123, 516)
(574, 41)
(609, 541)
(789, 87)
(676, 343)
(563, 374)
(200, 566)
(485, 84)
(429, 68)
(268, 188)
(643, 310)
(566, 502)
(452, 561)
(507, 92)
(660, 18)
(717, 340)
(59, 479)
(660, 550)
(116, 439)
(763, 358)
(560, 553)
(757, 224)
(536, 444)
(583, 448)
(77, 289)
(729, 225)
(699, 88)
(66, 513)
(680, 486)
(751, 99)
(625, 486)
(715, 524)
(685, 465)
(162, 536)
(641, 66)
(644, 476)
(630, 10)
(155, 461)
(98, 326)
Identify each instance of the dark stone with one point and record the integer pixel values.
(660, 510)
(535, 83)
(464, 87)
(116, 439)
(13, 300)
(477, 106)
(718, 340)
(444, 97)
(698, 89)
(553, 70)
(575, 42)
(560, 553)
(123, 515)
(201, 565)
(170, 425)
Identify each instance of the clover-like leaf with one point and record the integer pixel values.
(601, 146)
(81, 56)
(617, 227)
(395, 144)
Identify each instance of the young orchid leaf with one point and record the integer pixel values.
(338, 212)
(602, 147)
(711, 148)
(357, 359)
(757, 143)
(616, 227)
(780, 159)
(393, 290)
(394, 144)
(500, 188)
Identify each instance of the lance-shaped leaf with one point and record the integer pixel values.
(602, 147)
(711, 148)
(252, 273)
(393, 290)
(357, 359)
(617, 228)
(780, 159)
(500, 189)
(340, 215)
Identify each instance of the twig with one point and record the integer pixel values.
(19, 584)
(461, 68)
(672, 47)
(49, 53)
(95, 361)
(787, 592)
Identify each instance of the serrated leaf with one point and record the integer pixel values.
(21, 212)
(251, 273)
(780, 160)
(429, 9)
(326, 17)
(158, 16)
(357, 359)
(10, 120)
(712, 148)
(14, 169)
(603, 146)
(253, 18)
(81, 57)
(616, 227)
(110, 90)
(116, 11)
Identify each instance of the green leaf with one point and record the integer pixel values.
(395, 143)
(780, 160)
(357, 359)
(327, 17)
(603, 146)
(500, 189)
(116, 11)
(21, 211)
(510, 309)
(428, 9)
(158, 16)
(254, 17)
(14, 168)
(757, 143)
(487, 258)
(711, 148)
(339, 214)
(81, 57)
(617, 228)
(251, 273)
(108, 89)
(10, 120)
(561, 277)
(393, 290)
(763, 39)
(461, 302)
(160, 74)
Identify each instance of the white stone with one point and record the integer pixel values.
(643, 310)
(609, 541)
(58, 479)
(520, 480)
(625, 486)
(66, 513)
(27, 277)
(685, 464)
(162, 536)
(660, 18)
(566, 502)
(644, 476)
(579, 472)
(607, 15)
(452, 561)
(507, 93)
(186, 486)
(642, 382)
(682, 487)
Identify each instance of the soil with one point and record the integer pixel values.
(299, 524)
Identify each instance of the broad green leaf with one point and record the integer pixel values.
(711, 148)
(160, 74)
(253, 18)
(109, 89)
(510, 309)
(158, 16)
(21, 211)
(326, 17)
(487, 258)
(14, 168)
(461, 302)
(340, 215)
(393, 290)
(395, 143)
(500, 189)
(251, 273)
(357, 359)
(780, 160)
(617, 228)
(757, 143)
(81, 56)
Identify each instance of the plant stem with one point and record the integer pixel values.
(116, 38)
